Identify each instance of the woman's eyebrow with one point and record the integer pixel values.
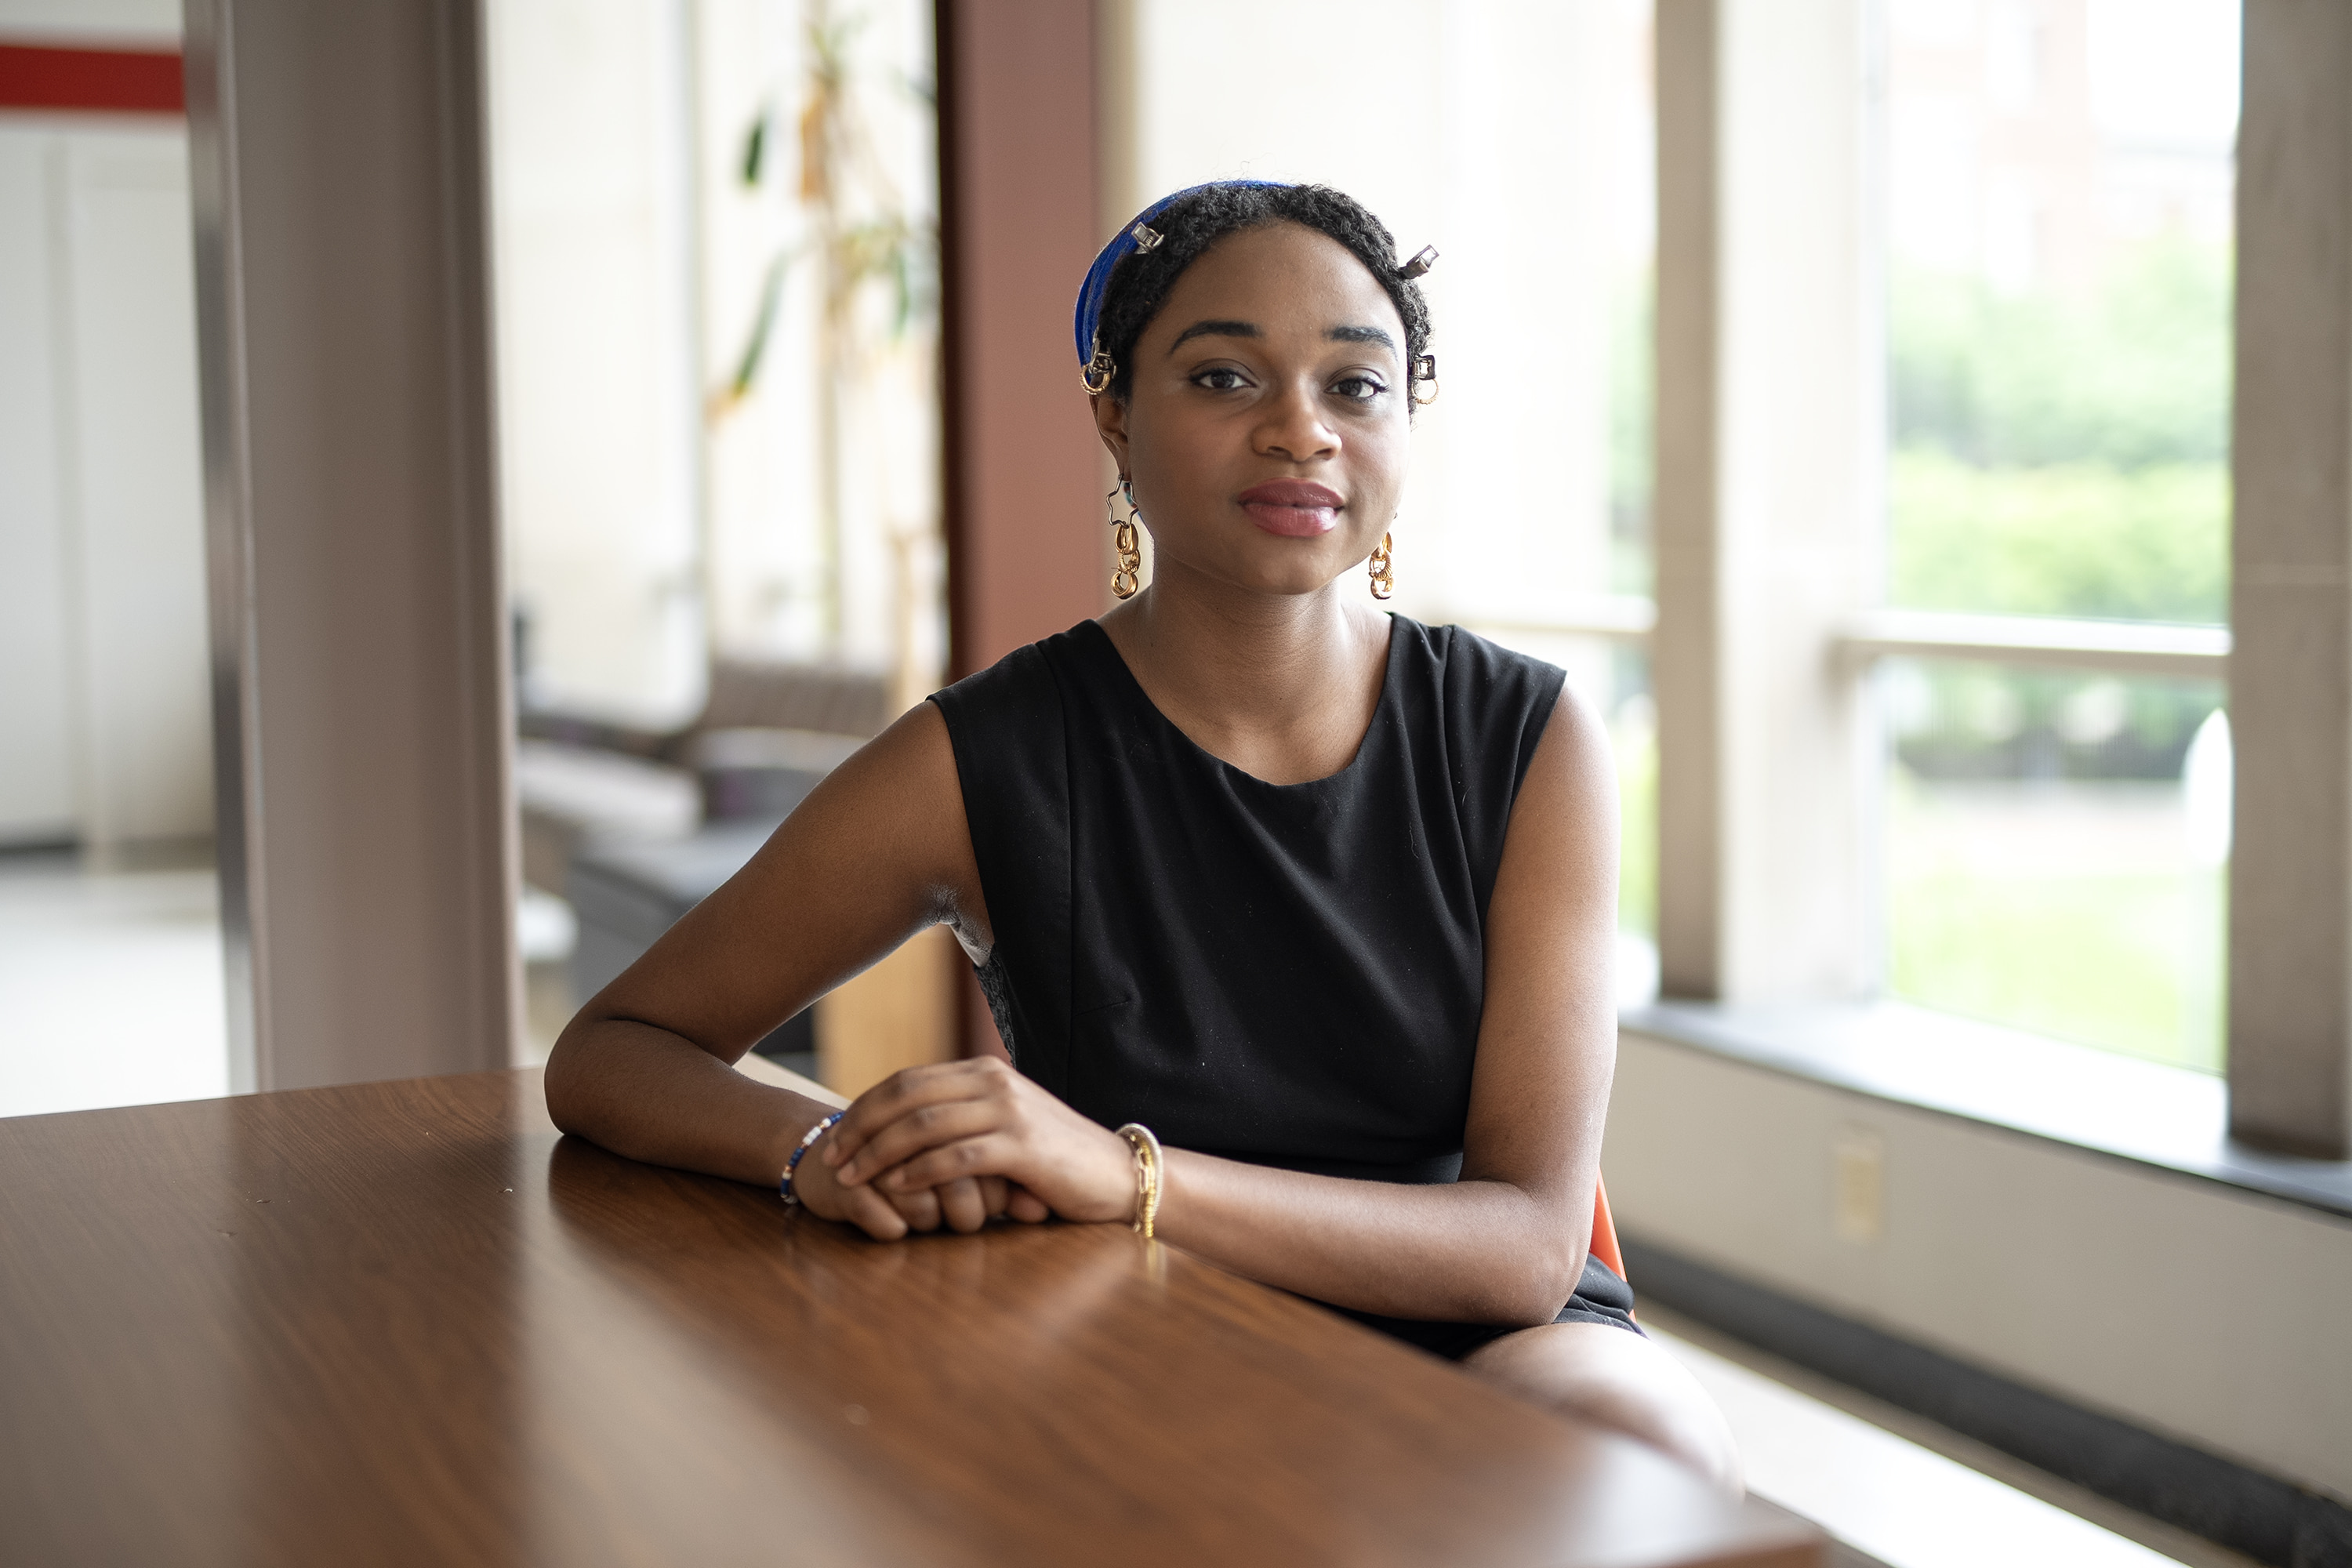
(1215, 329)
(1361, 335)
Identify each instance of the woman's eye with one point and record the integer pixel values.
(1358, 388)
(1222, 378)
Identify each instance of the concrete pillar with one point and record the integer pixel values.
(1770, 436)
(360, 669)
(2290, 1056)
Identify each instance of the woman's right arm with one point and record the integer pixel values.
(878, 851)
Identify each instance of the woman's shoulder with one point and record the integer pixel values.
(1022, 688)
(1476, 675)
(1011, 720)
(1474, 713)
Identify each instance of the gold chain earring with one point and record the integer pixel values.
(1382, 568)
(1124, 578)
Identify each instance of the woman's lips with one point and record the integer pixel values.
(1295, 509)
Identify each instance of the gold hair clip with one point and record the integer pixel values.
(1098, 371)
(1422, 260)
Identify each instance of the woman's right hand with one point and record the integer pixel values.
(963, 1204)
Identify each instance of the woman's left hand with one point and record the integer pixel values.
(926, 1127)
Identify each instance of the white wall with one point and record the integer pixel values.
(105, 730)
(2213, 1314)
(137, 459)
(38, 776)
(97, 23)
(598, 380)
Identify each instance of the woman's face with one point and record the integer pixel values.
(1265, 429)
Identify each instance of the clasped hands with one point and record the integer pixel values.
(957, 1144)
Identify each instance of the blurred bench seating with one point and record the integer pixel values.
(767, 732)
(635, 826)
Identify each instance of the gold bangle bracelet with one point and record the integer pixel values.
(1148, 1168)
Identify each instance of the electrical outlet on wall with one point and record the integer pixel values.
(1858, 1186)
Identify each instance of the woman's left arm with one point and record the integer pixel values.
(1505, 1244)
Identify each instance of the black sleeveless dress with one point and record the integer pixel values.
(1287, 974)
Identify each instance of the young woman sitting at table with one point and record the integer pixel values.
(1316, 905)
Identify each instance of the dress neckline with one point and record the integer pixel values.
(1389, 678)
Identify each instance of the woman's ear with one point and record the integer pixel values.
(1110, 423)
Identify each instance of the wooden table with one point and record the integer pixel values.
(408, 1323)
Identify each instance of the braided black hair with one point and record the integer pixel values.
(1194, 222)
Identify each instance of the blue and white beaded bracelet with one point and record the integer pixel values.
(785, 1186)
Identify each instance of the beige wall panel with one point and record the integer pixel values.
(2291, 670)
(1801, 428)
(1770, 427)
(1686, 651)
(2178, 1304)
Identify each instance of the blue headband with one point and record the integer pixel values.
(1098, 283)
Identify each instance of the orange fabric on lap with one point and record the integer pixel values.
(1604, 1231)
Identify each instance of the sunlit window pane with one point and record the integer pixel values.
(1633, 312)
(2060, 175)
(1526, 157)
(2056, 853)
(2060, 178)
(1634, 730)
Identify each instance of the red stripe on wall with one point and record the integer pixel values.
(109, 81)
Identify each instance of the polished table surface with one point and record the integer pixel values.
(410, 1324)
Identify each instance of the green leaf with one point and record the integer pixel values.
(747, 365)
(755, 145)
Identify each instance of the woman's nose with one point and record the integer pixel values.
(1293, 426)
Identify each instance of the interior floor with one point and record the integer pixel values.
(1898, 1490)
(110, 979)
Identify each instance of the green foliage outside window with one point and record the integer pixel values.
(2084, 538)
(1636, 745)
(1631, 411)
(2062, 454)
(2058, 453)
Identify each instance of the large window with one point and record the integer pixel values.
(715, 227)
(2060, 190)
(718, 314)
